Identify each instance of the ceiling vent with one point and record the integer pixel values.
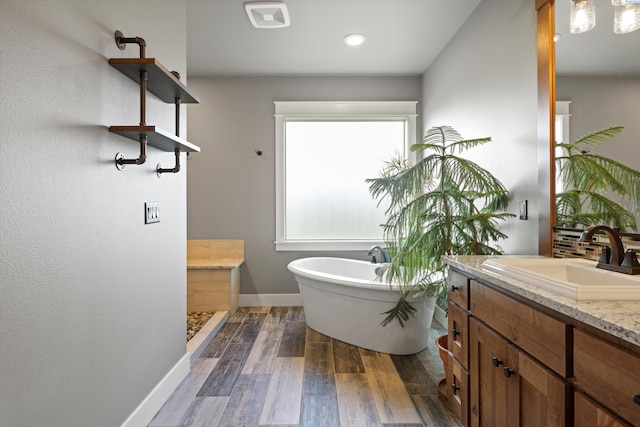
(268, 14)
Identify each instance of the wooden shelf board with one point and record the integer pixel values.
(160, 81)
(156, 137)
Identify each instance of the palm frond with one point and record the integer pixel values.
(588, 179)
(401, 312)
(596, 138)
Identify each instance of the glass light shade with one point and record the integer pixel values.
(582, 16)
(627, 18)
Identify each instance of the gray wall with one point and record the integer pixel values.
(484, 84)
(601, 102)
(231, 190)
(92, 301)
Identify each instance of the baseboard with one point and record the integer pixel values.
(440, 316)
(273, 300)
(151, 404)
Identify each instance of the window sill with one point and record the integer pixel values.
(327, 245)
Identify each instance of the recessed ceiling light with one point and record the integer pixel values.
(268, 14)
(354, 39)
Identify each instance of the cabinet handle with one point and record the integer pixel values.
(455, 388)
(508, 372)
(454, 333)
(636, 399)
(454, 288)
(496, 362)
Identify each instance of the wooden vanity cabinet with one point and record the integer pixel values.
(513, 357)
(529, 365)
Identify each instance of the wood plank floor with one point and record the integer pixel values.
(267, 368)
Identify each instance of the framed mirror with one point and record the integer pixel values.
(598, 87)
(596, 76)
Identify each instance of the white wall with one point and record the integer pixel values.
(484, 84)
(92, 300)
(231, 190)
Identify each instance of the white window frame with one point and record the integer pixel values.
(562, 135)
(405, 110)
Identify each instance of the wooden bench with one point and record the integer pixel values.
(213, 274)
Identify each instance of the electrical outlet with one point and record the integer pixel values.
(523, 209)
(151, 212)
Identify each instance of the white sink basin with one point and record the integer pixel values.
(576, 279)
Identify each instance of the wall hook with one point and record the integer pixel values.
(259, 152)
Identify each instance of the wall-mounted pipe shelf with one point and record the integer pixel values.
(156, 137)
(152, 76)
(160, 81)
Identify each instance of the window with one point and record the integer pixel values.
(324, 153)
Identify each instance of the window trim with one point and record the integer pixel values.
(309, 109)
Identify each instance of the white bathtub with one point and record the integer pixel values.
(342, 299)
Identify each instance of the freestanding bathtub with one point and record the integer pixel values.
(343, 300)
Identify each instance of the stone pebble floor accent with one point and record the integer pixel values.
(195, 321)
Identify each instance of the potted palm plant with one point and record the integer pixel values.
(443, 204)
(585, 181)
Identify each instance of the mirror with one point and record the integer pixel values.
(598, 82)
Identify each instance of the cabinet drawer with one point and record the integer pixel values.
(458, 339)
(459, 390)
(589, 414)
(609, 374)
(540, 335)
(458, 289)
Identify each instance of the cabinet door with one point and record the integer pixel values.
(458, 334)
(589, 414)
(459, 390)
(609, 374)
(510, 388)
(535, 396)
(487, 354)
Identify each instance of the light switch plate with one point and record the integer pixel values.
(151, 212)
(523, 209)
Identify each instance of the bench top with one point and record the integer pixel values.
(214, 254)
(214, 264)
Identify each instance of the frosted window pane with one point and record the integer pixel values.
(325, 170)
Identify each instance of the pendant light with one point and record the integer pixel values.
(582, 16)
(627, 16)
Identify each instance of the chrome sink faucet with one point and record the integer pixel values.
(383, 254)
(613, 257)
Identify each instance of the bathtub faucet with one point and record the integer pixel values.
(383, 254)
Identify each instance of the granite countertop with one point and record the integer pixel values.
(618, 318)
(214, 263)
